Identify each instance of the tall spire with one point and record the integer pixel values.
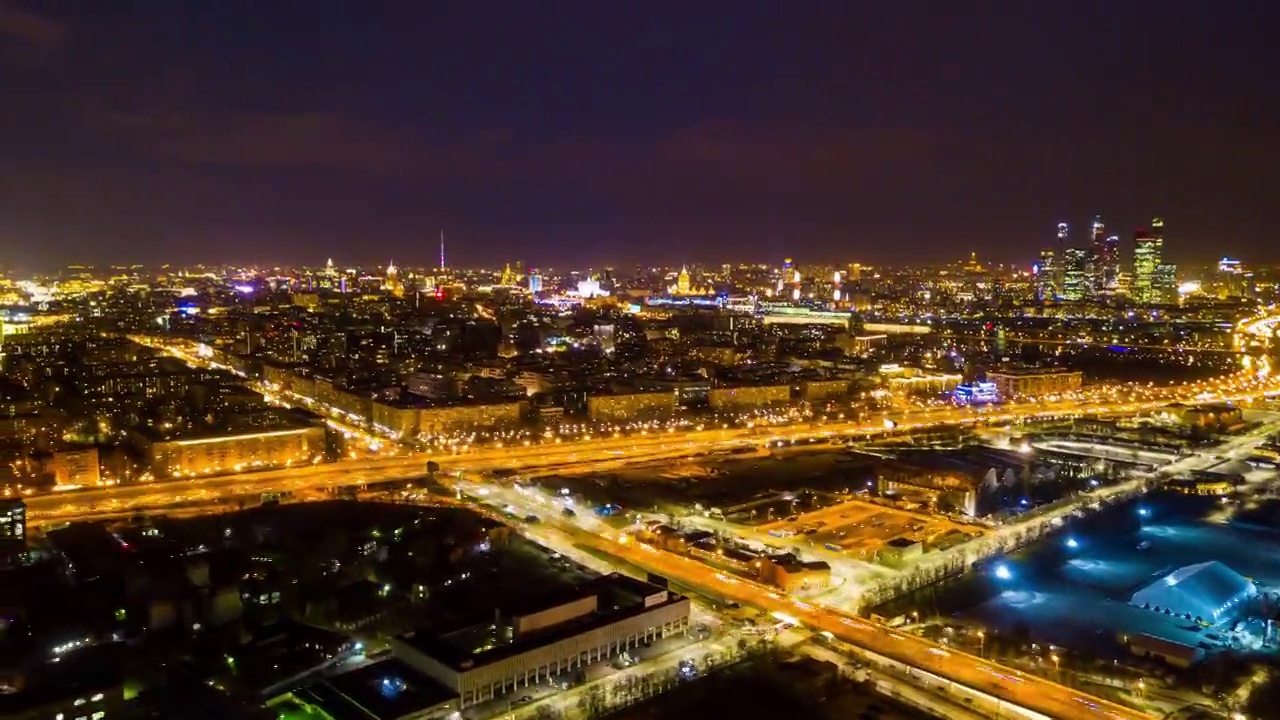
(442, 249)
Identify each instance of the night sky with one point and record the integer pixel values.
(617, 132)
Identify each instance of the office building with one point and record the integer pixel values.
(1105, 273)
(1165, 285)
(1047, 276)
(1148, 253)
(1104, 259)
(1076, 285)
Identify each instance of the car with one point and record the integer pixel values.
(524, 699)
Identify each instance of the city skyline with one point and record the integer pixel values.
(889, 135)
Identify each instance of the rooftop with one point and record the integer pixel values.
(382, 691)
(1031, 371)
(620, 597)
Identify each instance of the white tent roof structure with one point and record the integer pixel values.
(1210, 591)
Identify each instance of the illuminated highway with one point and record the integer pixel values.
(1012, 686)
(599, 454)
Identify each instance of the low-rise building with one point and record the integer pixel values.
(385, 690)
(1035, 382)
(75, 467)
(1212, 416)
(900, 551)
(748, 397)
(187, 455)
(792, 574)
(819, 390)
(545, 637)
(630, 406)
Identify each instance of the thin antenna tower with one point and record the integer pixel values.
(442, 249)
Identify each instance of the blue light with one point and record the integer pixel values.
(391, 687)
(1143, 512)
(1071, 543)
(1002, 572)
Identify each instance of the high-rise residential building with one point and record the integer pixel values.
(1076, 266)
(1148, 254)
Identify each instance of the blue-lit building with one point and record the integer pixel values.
(976, 393)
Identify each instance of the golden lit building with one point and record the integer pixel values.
(754, 396)
(631, 405)
(392, 283)
(75, 467)
(460, 418)
(211, 454)
(684, 285)
(1035, 382)
(819, 390)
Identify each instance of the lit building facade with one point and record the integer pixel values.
(1148, 253)
(191, 456)
(757, 396)
(1165, 285)
(1047, 275)
(1076, 283)
(544, 641)
(631, 406)
(13, 520)
(1035, 382)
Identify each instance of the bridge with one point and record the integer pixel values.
(1098, 344)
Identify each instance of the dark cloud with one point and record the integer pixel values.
(27, 38)
(195, 130)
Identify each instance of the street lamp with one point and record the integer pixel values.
(982, 644)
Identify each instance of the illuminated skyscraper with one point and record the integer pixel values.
(1106, 258)
(1104, 261)
(1165, 284)
(1047, 274)
(1148, 253)
(1076, 285)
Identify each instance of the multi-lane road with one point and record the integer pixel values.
(592, 454)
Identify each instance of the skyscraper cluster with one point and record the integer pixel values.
(1096, 272)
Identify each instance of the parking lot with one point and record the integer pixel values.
(859, 529)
